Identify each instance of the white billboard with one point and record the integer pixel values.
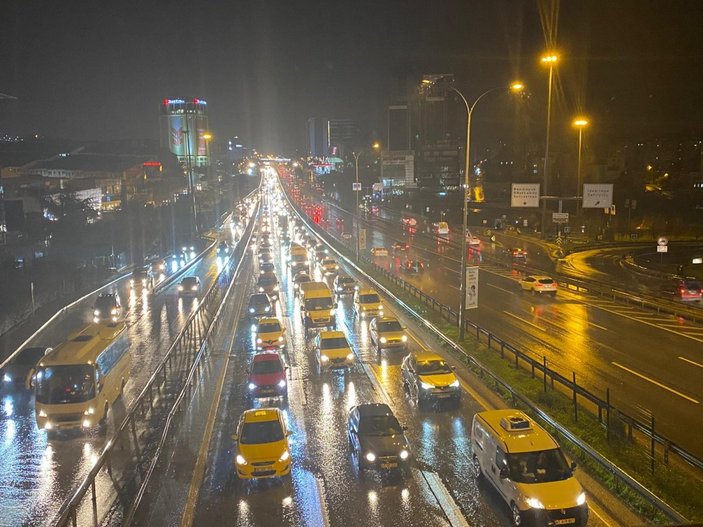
(524, 195)
(597, 195)
(472, 287)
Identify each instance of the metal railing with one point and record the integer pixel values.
(127, 457)
(618, 474)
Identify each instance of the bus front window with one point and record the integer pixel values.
(65, 384)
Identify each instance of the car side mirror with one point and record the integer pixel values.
(504, 473)
(453, 367)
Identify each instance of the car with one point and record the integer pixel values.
(142, 276)
(344, 285)
(472, 240)
(400, 246)
(265, 243)
(265, 256)
(332, 350)
(161, 266)
(388, 332)
(19, 370)
(441, 228)
(428, 378)
(260, 305)
(320, 254)
(408, 222)
(539, 284)
(268, 283)
(261, 446)
(376, 438)
(107, 307)
(346, 236)
(367, 303)
(300, 278)
(686, 289)
(267, 267)
(413, 266)
(189, 286)
(379, 251)
(270, 334)
(517, 254)
(328, 266)
(223, 248)
(267, 376)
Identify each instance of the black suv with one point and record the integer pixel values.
(107, 307)
(377, 439)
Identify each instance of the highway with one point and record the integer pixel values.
(38, 474)
(648, 360)
(199, 485)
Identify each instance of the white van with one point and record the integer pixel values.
(527, 467)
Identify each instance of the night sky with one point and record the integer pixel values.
(99, 69)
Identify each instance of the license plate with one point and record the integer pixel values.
(565, 521)
(389, 465)
(443, 395)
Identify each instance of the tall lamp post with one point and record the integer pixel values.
(549, 60)
(515, 87)
(208, 136)
(580, 123)
(375, 146)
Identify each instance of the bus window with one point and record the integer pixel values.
(65, 384)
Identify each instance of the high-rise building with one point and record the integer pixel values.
(184, 125)
(318, 138)
(331, 137)
(398, 128)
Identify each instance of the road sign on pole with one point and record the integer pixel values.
(560, 217)
(356, 187)
(472, 287)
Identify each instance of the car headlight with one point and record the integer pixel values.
(42, 413)
(380, 306)
(280, 339)
(581, 499)
(284, 456)
(86, 423)
(350, 356)
(383, 340)
(113, 312)
(426, 386)
(252, 386)
(332, 311)
(180, 288)
(194, 288)
(370, 457)
(534, 503)
(275, 288)
(404, 338)
(240, 460)
(6, 378)
(259, 341)
(281, 383)
(340, 289)
(324, 358)
(307, 262)
(89, 411)
(267, 308)
(261, 289)
(96, 312)
(251, 310)
(404, 454)
(455, 384)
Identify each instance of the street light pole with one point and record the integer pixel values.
(191, 187)
(550, 60)
(356, 209)
(469, 112)
(580, 123)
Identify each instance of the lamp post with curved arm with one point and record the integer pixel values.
(375, 146)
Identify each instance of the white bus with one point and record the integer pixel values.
(79, 380)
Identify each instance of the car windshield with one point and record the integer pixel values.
(65, 384)
(333, 343)
(432, 367)
(546, 281)
(189, 281)
(391, 325)
(302, 278)
(313, 304)
(259, 300)
(105, 302)
(268, 280)
(345, 280)
(690, 284)
(328, 262)
(538, 467)
(261, 367)
(261, 432)
(379, 425)
(299, 257)
(369, 299)
(269, 327)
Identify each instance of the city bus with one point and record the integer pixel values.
(79, 380)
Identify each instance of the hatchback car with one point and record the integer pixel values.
(261, 445)
(344, 285)
(539, 284)
(19, 370)
(189, 286)
(260, 305)
(427, 378)
(142, 277)
(267, 267)
(107, 307)
(400, 246)
(270, 334)
(687, 289)
(388, 332)
(328, 266)
(332, 350)
(268, 283)
(377, 439)
(367, 304)
(517, 255)
(299, 279)
(267, 376)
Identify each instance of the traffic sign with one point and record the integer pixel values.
(560, 217)
(662, 249)
(356, 187)
(662, 241)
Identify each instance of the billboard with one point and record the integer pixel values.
(524, 195)
(176, 135)
(597, 195)
(472, 287)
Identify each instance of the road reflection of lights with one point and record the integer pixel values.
(196, 303)
(90, 455)
(243, 507)
(8, 406)
(10, 431)
(287, 501)
(351, 395)
(220, 264)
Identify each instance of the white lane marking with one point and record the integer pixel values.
(597, 326)
(592, 507)
(444, 499)
(657, 383)
(323, 503)
(500, 288)
(691, 362)
(526, 321)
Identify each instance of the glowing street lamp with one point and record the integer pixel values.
(580, 123)
(550, 60)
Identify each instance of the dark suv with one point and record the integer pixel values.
(688, 289)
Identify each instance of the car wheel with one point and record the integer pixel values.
(478, 473)
(515, 514)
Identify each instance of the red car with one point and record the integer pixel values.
(267, 376)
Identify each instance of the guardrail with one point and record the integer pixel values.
(618, 474)
(126, 457)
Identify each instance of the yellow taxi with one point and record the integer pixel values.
(270, 334)
(428, 378)
(262, 449)
(388, 332)
(367, 303)
(333, 350)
